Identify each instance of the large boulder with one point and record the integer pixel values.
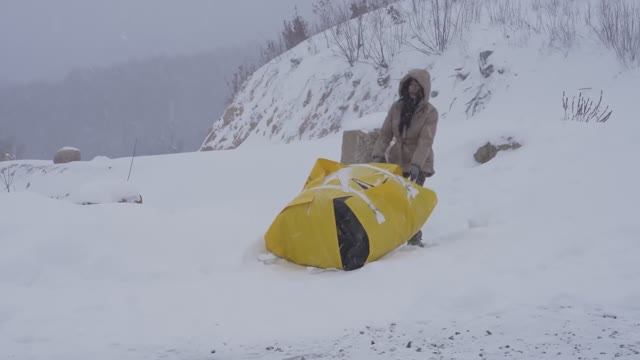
(357, 146)
(66, 155)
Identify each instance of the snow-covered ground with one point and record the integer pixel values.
(532, 255)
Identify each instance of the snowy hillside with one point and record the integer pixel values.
(533, 255)
(311, 91)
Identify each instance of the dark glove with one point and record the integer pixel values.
(414, 172)
(379, 159)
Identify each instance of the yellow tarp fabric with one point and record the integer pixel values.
(383, 210)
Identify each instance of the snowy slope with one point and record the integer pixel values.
(311, 91)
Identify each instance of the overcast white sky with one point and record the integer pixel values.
(44, 39)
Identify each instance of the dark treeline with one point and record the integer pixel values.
(167, 103)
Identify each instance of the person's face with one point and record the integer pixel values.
(414, 88)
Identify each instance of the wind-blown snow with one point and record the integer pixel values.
(532, 255)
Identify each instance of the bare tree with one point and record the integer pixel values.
(618, 27)
(433, 24)
(294, 31)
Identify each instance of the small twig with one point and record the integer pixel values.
(132, 157)
(7, 177)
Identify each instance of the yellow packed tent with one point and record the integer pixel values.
(348, 215)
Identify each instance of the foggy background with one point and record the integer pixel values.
(97, 74)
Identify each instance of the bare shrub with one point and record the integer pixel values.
(618, 27)
(558, 18)
(473, 10)
(585, 109)
(510, 16)
(346, 38)
(434, 24)
(385, 37)
(7, 175)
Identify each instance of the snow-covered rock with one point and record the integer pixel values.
(357, 146)
(67, 154)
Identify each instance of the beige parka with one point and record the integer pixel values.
(415, 144)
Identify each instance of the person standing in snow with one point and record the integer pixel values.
(412, 122)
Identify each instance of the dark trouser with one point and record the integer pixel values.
(421, 177)
(416, 239)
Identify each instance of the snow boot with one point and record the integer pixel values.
(416, 240)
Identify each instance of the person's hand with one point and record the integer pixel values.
(379, 159)
(414, 172)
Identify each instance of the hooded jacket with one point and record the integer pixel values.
(415, 144)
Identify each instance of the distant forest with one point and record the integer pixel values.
(167, 103)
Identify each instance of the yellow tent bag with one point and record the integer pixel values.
(349, 215)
